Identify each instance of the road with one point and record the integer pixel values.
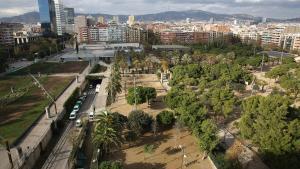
(59, 156)
(58, 159)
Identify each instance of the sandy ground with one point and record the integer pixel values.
(166, 155)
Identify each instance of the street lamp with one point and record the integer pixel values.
(183, 156)
(45, 91)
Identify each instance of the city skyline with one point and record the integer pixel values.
(264, 8)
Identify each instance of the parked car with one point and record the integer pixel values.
(78, 123)
(76, 108)
(79, 102)
(98, 88)
(82, 98)
(73, 115)
(91, 115)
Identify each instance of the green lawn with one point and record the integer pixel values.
(53, 68)
(12, 81)
(16, 117)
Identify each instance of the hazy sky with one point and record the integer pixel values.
(266, 8)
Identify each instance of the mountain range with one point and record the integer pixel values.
(197, 15)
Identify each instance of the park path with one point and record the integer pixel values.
(39, 130)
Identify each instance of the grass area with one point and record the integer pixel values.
(16, 117)
(53, 68)
(12, 81)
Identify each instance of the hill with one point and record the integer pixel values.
(197, 15)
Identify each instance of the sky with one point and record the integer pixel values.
(265, 8)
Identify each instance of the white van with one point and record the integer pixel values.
(91, 115)
(98, 88)
(73, 115)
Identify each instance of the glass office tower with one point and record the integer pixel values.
(46, 15)
(52, 16)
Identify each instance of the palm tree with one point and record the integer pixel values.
(114, 86)
(104, 135)
(165, 65)
(136, 64)
(177, 59)
(187, 59)
(123, 64)
(148, 63)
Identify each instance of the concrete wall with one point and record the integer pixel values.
(35, 154)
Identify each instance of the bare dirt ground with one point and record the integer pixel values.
(166, 155)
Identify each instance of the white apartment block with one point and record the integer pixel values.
(103, 34)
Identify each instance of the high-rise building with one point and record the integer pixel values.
(131, 20)
(47, 15)
(52, 16)
(69, 15)
(101, 20)
(59, 17)
(69, 19)
(211, 20)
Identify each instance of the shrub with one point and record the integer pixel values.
(165, 119)
(139, 122)
(68, 105)
(149, 148)
(110, 165)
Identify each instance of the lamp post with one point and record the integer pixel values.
(45, 91)
(183, 156)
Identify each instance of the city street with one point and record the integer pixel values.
(59, 156)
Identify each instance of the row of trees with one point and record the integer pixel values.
(206, 76)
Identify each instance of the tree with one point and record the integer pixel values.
(135, 95)
(105, 135)
(207, 136)
(165, 66)
(291, 84)
(273, 125)
(139, 122)
(165, 119)
(187, 59)
(114, 86)
(149, 93)
(222, 101)
(3, 60)
(140, 95)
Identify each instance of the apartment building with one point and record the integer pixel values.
(7, 33)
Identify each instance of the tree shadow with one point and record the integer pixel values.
(142, 165)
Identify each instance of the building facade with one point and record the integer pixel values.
(7, 33)
(69, 20)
